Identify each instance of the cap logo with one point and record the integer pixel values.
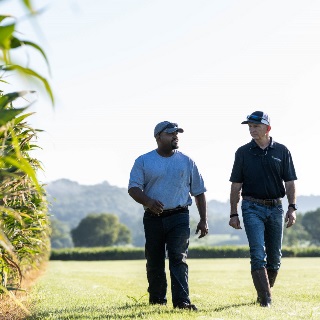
(169, 126)
(262, 118)
(166, 126)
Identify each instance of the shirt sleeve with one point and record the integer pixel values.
(197, 184)
(237, 172)
(137, 175)
(289, 172)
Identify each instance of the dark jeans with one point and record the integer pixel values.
(169, 234)
(264, 229)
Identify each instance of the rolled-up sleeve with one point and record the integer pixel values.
(197, 184)
(137, 175)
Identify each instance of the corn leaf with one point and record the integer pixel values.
(24, 166)
(2, 17)
(10, 97)
(30, 72)
(6, 35)
(10, 212)
(16, 43)
(22, 117)
(8, 115)
(28, 4)
(6, 244)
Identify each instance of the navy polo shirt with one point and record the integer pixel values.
(262, 172)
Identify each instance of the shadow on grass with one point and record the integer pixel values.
(235, 305)
(126, 311)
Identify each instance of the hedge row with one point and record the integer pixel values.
(119, 253)
(89, 254)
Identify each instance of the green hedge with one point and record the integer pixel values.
(88, 254)
(120, 253)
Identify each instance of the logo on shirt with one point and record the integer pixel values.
(277, 159)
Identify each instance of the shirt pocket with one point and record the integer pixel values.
(179, 178)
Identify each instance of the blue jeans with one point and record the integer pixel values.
(264, 229)
(170, 234)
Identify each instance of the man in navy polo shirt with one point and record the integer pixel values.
(263, 172)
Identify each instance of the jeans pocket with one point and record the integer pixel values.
(246, 205)
(280, 208)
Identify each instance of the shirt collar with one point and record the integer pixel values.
(271, 144)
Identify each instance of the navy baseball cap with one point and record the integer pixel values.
(258, 117)
(167, 126)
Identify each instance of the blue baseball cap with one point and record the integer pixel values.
(166, 126)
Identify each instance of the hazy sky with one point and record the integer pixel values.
(121, 66)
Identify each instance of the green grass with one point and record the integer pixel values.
(221, 289)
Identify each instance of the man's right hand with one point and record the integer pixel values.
(155, 206)
(234, 222)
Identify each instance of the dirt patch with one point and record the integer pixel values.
(10, 308)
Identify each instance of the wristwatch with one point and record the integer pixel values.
(293, 205)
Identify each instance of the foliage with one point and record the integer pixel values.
(24, 221)
(100, 230)
(124, 235)
(60, 235)
(132, 253)
(9, 41)
(24, 229)
(311, 222)
(71, 202)
(90, 254)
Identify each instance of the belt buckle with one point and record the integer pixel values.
(270, 202)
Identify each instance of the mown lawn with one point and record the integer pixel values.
(221, 289)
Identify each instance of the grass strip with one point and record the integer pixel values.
(221, 289)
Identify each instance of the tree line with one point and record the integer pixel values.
(105, 229)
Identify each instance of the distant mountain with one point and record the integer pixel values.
(71, 202)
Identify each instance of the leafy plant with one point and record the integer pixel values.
(136, 300)
(24, 226)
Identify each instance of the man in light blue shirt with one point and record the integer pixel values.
(163, 181)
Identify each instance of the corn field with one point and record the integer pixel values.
(24, 223)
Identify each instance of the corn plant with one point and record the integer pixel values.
(24, 226)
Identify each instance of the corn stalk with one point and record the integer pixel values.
(24, 225)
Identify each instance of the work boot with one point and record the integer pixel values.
(188, 306)
(157, 301)
(272, 275)
(261, 283)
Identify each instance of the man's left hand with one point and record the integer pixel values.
(203, 228)
(290, 218)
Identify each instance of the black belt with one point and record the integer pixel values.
(265, 202)
(168, 212)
